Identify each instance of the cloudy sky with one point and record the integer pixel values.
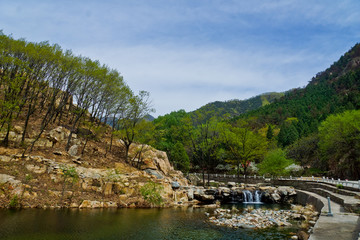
(187, 53)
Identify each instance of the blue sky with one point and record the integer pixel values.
(187, 53)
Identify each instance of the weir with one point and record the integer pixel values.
(252, 198)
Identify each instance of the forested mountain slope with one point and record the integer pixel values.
(332, 91)
(235, 107)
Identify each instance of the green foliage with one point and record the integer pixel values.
(151, 192)
(340, 143)
(270, 133)
(70, 173)
(306, 151)
(232, 108)
(244, 146)
(339, 186)
(275, 163)
(180, 158)
(14, 202)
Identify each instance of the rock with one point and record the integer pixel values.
(5, 158)
(108, 189)
(194, 179)
(59, 133)
(275, 197)
(36, 169)
(18, 129)
(91, 204)
(154, 173)
(73, 151)
(175, 185)
(210, 191)
(74, 205)
(110, 205)
(294, 237)
(190, 194)
(231, 184)
(204, 197)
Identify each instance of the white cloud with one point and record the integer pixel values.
(189, 53)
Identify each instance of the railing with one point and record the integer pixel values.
(346, 183)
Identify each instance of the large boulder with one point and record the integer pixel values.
(59, 133)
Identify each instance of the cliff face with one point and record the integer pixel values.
(51, 177)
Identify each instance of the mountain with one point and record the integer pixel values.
(235, 107)
(332, 91)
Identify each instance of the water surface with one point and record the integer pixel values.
(134, 224)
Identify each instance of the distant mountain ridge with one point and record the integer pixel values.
(235, 107)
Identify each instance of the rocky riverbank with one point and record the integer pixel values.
(305, 217)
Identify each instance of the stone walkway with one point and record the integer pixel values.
(341, 226)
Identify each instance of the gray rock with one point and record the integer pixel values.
(175, 185)
(154, 172)
(73, 151)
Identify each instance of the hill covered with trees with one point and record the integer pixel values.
(296, 125)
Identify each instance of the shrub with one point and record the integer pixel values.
(340, 186)
(151, 192)
(14, 202)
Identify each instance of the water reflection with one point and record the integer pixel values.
(144, 224)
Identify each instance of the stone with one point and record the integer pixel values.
(73, 151)
(18, 129)
(5, 158)
(175, 185)
(59, 133)
(231, 184)
(276, 197)
(74, 205)
(36, 169)
(91, 204)
(110, 205)
(154, 173)
(108, 189)
(190, 193)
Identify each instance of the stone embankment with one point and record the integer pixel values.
(234, 192)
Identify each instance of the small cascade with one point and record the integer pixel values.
(252, 198)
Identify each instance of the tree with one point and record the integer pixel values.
(244, 146)
(137, 108)
(205, 140)
(180, 158)
(275, 163)
(340, 144)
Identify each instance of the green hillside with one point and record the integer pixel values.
(235, 107)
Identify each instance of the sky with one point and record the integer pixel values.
(188, 53)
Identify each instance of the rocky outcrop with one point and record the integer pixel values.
(46, 182)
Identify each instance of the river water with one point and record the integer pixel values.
(134, 224)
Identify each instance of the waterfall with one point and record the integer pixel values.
(249, 197)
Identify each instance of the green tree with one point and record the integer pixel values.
(340, 143)
(244, 146)
(180, 158)
(275, 163)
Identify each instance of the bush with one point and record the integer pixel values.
(339, 186)
(14, 202)
(151, 192)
